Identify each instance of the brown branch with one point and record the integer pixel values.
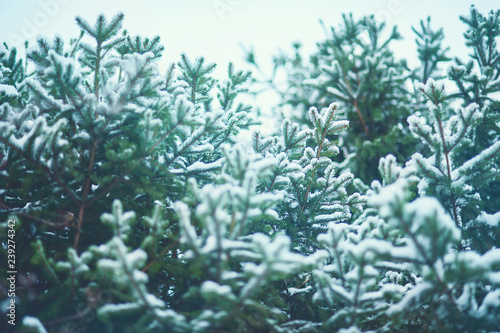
(355, 102)
(448, 167)
(86, 187)
(171, 246)
(18, 212)
(138, 290)
(362, 119)
(429, 262)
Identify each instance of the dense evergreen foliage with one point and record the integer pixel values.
(374, 207)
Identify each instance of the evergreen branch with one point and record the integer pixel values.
(339, 265)
(164, 252)
(456, 218)
(463, 90)
(113, 27)
(357, 291)
(244, 218)
(429, 263)
(86, 188)
(320, 146)
(84, 25)
(64, 185)
(64, 86)
(168, 133)
(46, 264)
(170, 75)
(147, 154)
(427, 138)
(54, 176)
(353, 99)
(467, 123)
(77, 43)
(78, 315)
(97, 70)
(137, 289)
(41, 93)
(133, 81)
(191, 141)
(272, 183)
(35, 218)
(426, 170)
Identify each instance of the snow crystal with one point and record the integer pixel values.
(137, 257)
(134, 64)
(188, 232)
(490, 302)
(68, 63)
(210, 288)
(429, 86)
(109, 309)
(414, 294)
(471, 164)
(492, 220)
(34, 323)
(154, 302)
(371, 245)
(8, 90)
(292, 291)
(169, 315)
(395, 192)
(203, 167)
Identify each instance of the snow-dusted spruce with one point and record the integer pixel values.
(355, 67)
(233, 262)
(138, 212)
(11, 75)
(399, 267)
(445, 136)
(443, 286)
(95, 121)
(460, 169)
(477, 81)
(313, 195)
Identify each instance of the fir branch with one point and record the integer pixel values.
(86, 187)
(18, 211)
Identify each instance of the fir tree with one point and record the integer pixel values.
(97, 122)
(138, 210)
(355, 67)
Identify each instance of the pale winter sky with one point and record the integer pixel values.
(216, 29)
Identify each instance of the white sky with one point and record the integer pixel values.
(216, 28)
